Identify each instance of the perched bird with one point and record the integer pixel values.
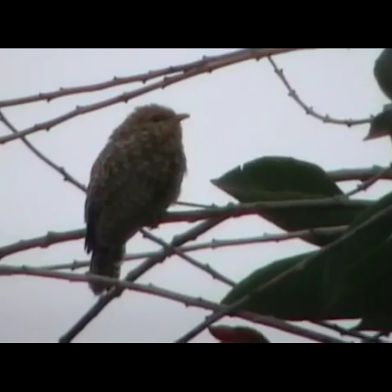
(133, 181)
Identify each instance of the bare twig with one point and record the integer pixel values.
(349, 332)
(214, 244)
(229, 211)
(361, 174)
(234, 58)
(45, 241)
(168, 294)
(308, 109)
(369, 182)
(204, 267)
(206, 62)
(105, 299)
(66, 176)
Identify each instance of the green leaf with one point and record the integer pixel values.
(283, 178)
(383, 72)
(381, 323)
(372, 210)
(297, 298)
(381, 125)
(349, 278)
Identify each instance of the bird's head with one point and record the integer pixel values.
(156, 114)
(154, 117)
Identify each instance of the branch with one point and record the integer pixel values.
(229, 211)
(206, 62)
(66, 176)
(116, 81)
(45, 241)
(308, 109)
(369, 182)
(234, 58)
(348, 332)
(167, 294)
(204, 267)
(215, 244)
(361, 174)
(106, 298)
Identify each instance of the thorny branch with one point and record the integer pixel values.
(308, 109)
(350, 332)
(215, 244)
(42, 157)
(207, 63)
(369, 182)
(204, 267)
(229, 211)
(217, 63)
(6, 270)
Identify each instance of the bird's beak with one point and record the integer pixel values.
(182, 116)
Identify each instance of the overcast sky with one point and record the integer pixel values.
(237, 114)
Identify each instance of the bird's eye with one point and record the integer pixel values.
(156, 118)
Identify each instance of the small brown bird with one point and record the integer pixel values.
(135, 178)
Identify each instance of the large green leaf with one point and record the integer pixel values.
(349, 278)
(380, 323)
(283, 178)
(297, 298)
(383, 72)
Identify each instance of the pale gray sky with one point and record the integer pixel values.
(237, 114)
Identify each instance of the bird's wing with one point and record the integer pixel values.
(102, 187)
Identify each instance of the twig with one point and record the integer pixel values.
(45, 241)
(204, 267)
(66, 176)
(229, 211)
(236, 57)
(361, 174)
(135, 274)
(369, 182)
(383, 218)
(308, 109)
(191, 204)
(117, 81)
(214, 244)
(168, 294)
(348, 332)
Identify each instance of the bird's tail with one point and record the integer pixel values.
(105, 262)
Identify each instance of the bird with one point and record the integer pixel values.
(135, 178)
